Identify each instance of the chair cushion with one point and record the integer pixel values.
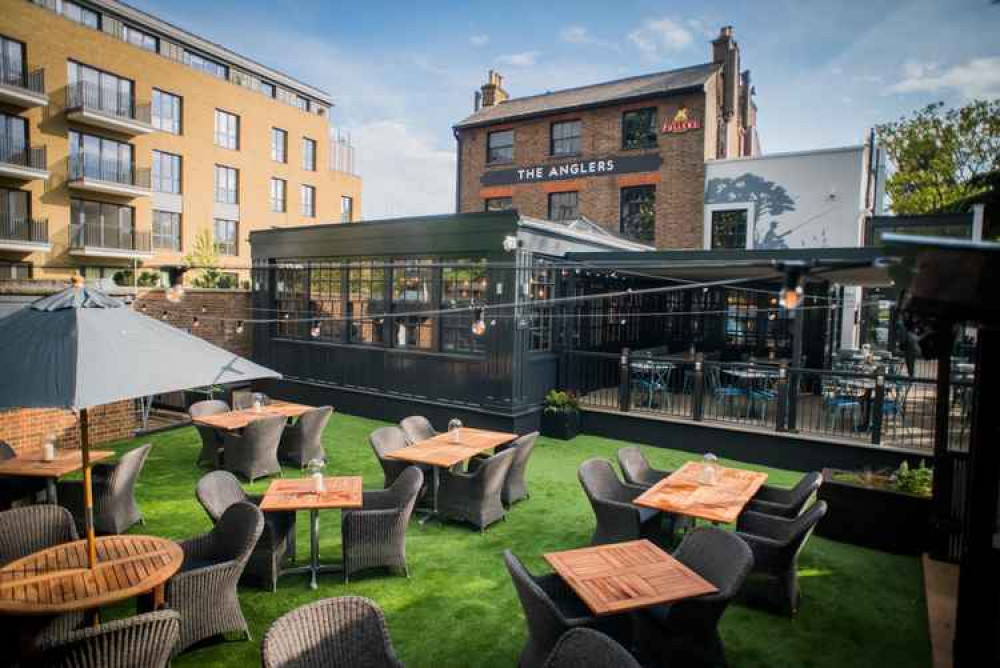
(647, 514)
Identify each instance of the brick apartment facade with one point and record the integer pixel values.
(627, 154)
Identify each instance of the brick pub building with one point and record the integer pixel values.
(627, 154)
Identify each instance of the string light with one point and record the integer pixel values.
(164, 316)
(204, 309)
(792, 290)
(315, 330)
(239, 327)
(195, 323)
(479, 324)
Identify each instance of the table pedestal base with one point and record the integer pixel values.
(314, 568)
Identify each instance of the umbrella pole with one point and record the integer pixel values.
(88, 490)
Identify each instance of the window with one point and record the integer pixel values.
(346, 209)
(326, 295)
(80, 14)
(93, 89)
(13, 139)
(291, 300)
(366, 283)
(268, 89)
(227, 129)
(499, 204)
(12, 68)
(412, 281)
(308, 201)
(729, 228)
(541, 287)
(14, 211)
(279, 145)
(166, 172)
(101, 224)
(563, 206)
(166, 112)
(500, 146)
(206, 65)
(99, 158)
(565, 138)
(278, 195)
(638, 213)
(227, 185)
(226, 236)
(302, 103)
(141, 39)
(462, 284)
(14, 270)
(639, 128)
(308, 154)
(166, 230)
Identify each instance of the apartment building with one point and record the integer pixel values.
(124, 138)
(628, 154)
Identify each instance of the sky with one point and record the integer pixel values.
(402, 73)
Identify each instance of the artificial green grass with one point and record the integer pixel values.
(859, 607)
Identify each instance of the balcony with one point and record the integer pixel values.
(24, 235)
(88, 103)
(23, 90)
(109, 241)
(108, 177)
(22, 162)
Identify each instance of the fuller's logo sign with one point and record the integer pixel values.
(681, 122)
(649, 162)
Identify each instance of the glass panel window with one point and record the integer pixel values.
(639, 128)
(308, 154)
(412, 282)
(268, 88)
(141, 39)
(499, 204)
(638, 213)
(226, 236)
(346, 209)
(226, 185)
(227, 129)
(566, 138)
(500, 146)
(278, 195)
(14, 208)
(99, 158)
(564, 206)
(540, 289)
(326, 295)
(166, 230)
(81, 14)
(302, 103)
(291, 283)
(93, 89)
(206, 65)
(102, 224)
(366, 283)
(463, 284)
(166, 112)
(13, 139)
(308, 201)
(279, 145)
(12, 68)
(14, 270)
(729, 228)
(166, 172)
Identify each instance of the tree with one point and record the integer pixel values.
(941, 155)
(205, 258)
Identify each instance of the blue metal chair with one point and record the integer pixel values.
(838, 402)
(727, 394)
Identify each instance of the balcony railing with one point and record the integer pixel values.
(87, 166)
(24, 230)
(15, 153)
(14, 76)
(92, 97)
(110, 237)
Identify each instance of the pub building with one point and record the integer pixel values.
(629, 154)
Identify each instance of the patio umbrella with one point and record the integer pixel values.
(80, 348)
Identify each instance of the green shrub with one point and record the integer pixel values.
(919, 481)
(557, 401)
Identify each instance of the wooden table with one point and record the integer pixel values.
(683, 492)
(32, 465)
(301, 494)
(622, 577)
(233, 420)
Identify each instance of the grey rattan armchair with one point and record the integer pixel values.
(217, 491)
(417, 428)
(344, 632)
(204, 591)
(242, 400)
(15, 488)
(636, 469)
(254, 453)
(618, 519)
(777, 543)
(303, 441)
(389, 439)
(375, 534)
(772, 500)
(115, 507)
(143, 641)
(476, 496)
(550, 609)
(514, 486)
(586, 648)
(686, 633)
(211, 438)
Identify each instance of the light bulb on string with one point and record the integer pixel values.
(479, 324)
(314, 332)
(204, 309)
(195, 323)
(791, 291)
(164, 316)
(239, 326)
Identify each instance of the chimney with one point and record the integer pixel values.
(726, 52)
(477, 101)
(493, 92)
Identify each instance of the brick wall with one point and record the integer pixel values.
(234, 305)
(28, 428)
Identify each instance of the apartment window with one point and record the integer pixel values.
(227, 130)
(639, 128)
(500, 146)
(166, 112)
(166, 230)
(12, 68)
(268, 89)
(346, 209)
(139, 38)
(279, 145)
(14, 208)
(638, 213)
(207, 65)
(14, 270)
(463, 284)
(80, 14)
(166, 172)
(302, 103)
(100, 158)
(499, 204)
(227, 184)
(278, 195)
(308, 154)
(308, 194)
(564, 206)
(226, 236)
(366, 282)
(13, 139)
(411, 293)
(729, 228)
(101, 224)
(91, 88)
(565, 139)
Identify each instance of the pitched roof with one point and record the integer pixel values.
(642, 86)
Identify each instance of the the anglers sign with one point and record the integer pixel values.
(649, 162)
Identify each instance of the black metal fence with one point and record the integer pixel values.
(27, 230)
(106, 100)
(89, 166)
(14, 152)
(12, 74)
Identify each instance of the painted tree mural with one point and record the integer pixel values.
(770, 201)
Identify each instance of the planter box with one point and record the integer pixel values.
(563, 426)
(882, 519)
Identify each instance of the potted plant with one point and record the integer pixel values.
(886, 510)
(561, 417)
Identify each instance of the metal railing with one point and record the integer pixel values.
(112, 237)
(27, 230)
(88, 166)
(16, 77)
(93, 97)
(16, 153)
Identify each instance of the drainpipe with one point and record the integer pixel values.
(458, 171)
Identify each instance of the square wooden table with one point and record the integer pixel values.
(301, 494)
(233, 420)
(31, 465)
(682, 492)
(621, 577)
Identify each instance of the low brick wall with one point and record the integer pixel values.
(27, 429)
(231, 304)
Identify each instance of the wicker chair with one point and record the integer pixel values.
(244, 400)
(636, 469)
(217, 491)
(254, 453)
(687, 633)
(476, 496)
(514, 486)
(550, 609)
(115, 508)
(204, 591)
(776, 543)
(417, 428)
(344, 632)
(375, 534)
(15, 488)
(143, 641)
(772, 500)
(586, 648)
(618, 519)
(211, 438)
(302, 442)
(389, 439)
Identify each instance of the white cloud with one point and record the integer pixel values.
(523, 59)
(575, 35)
(656, 37)
(479, 40)
(979, 77)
